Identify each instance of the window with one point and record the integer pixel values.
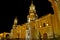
(44, 25)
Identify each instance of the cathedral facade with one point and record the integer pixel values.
(37, 27)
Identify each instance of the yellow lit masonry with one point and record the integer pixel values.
(36, 27)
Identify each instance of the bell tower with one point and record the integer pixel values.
(31, 17)
(32, 13)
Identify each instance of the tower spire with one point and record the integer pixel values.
(32, 7)
(15, 23)
(15, 20)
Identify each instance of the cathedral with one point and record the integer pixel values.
(37, 27)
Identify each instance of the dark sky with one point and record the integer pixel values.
(20, 8)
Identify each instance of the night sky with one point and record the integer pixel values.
(20, 8)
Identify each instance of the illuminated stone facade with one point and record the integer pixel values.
(38, 26)
(56, 8)
(35, 26)
(3, 35)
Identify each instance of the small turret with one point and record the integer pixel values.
(15, 21)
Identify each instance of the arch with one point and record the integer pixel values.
(7, 35)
